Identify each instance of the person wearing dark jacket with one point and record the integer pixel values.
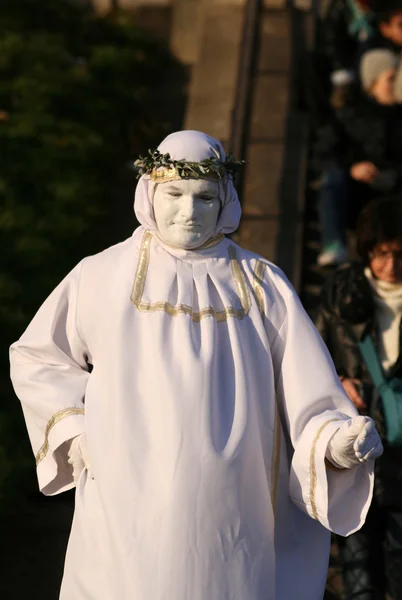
(360, 299)
(345, 27)
(360, 152)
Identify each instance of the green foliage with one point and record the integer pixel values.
(76, 102)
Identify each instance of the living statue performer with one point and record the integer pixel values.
(177, 382)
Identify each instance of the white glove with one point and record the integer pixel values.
(78, 456)
(355, 442)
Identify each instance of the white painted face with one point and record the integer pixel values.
(186, 211)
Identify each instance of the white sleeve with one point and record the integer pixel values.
(313, 404)
(49, 371)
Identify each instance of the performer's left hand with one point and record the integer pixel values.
(355, 442)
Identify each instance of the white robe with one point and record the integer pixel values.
(208, 411)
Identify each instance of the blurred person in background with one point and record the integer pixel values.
(360, 299)
(347, 24)
(388, 31)
(360, 152)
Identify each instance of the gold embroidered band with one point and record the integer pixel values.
(313, 471)
(257, 285)
(174, 311)
(57, 417)
(163, 175)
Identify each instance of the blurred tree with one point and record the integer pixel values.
(77, 101)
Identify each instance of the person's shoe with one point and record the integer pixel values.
(333, 254)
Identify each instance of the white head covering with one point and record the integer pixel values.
(192, 146)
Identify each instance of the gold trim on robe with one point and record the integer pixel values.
(313, 471)
(174, 311)
(57, 417)
(257, 286)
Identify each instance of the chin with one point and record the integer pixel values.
(191, 244)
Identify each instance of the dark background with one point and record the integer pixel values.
(80, 97)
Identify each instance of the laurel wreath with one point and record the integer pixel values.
(209, 167)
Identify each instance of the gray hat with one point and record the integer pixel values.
(373, 63)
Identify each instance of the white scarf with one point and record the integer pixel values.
(388, 301)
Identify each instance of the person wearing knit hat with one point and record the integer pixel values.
(344, 26)
(377, 74)
(374, 127)
(361, 152)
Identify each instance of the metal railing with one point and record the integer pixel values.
(244, 86)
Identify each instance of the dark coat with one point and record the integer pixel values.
(372, 132)
(363, 131)
(335, 43)
(335, 49)
(346, 314)
(359, 132)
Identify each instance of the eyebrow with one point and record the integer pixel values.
(205, 191)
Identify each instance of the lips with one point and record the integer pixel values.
(189, 227)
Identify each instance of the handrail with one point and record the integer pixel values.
(241, 109)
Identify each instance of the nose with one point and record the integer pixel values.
(390, 266)
(187, 207)
(392, 263)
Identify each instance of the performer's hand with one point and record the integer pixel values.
(78, 456)
(355, 442)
